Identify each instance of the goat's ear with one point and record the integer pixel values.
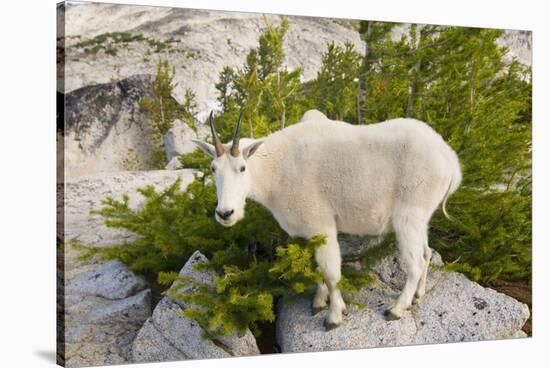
(206, 148)
(250, 149)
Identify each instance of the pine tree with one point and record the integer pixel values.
(163, 109)
(455, 79)
(189, 108)
(336, 83)
(264, 89)
(281, 87)
(250, 89)
(270, 50)
(371, 33)
(226, 88)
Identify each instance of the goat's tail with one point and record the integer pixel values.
(444, 205)
(454, 183)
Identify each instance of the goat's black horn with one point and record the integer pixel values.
(237, 137)
(217, 143)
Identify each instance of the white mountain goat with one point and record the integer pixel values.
(323, 177)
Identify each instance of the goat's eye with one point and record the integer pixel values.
(243, 168)
(213, 169)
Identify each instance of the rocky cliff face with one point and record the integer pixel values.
(105, 130)
(519, 45)
(199, 43)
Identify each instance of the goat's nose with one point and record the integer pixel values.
(225, 214)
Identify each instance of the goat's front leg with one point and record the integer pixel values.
(329, 261)
(320, 299)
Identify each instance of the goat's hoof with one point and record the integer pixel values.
(316, 310)
(331, 325)
(417, 297)
(345, 312)
(390, 315)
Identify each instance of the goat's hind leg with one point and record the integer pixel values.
(421, 288)
(411, 237)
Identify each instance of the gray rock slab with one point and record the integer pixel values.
(201, 56)
(174, 164)
(391, 272)
(461, 310)
(183, 333)
(177, 141)
(183, 336)
(125, 311)
(150, 345)
(189, 270)
(84, 194)
(100, 331)
(112, 280)
(454, 309)
(299, 331)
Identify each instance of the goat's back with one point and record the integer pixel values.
(363, 174)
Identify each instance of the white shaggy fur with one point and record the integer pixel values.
(323, 177)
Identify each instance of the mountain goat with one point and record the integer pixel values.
(323, 177)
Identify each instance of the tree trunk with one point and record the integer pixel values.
(471, 89)
(161, 112)
(161, 124)
(250, 128)
(472, 86)
(412, 90)
(360, 97)
(362, 85)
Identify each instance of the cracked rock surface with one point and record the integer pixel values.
(111, 280)
(84, 194)
(454, 309)
(169, 336)
(104, 305)
(98, 328)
